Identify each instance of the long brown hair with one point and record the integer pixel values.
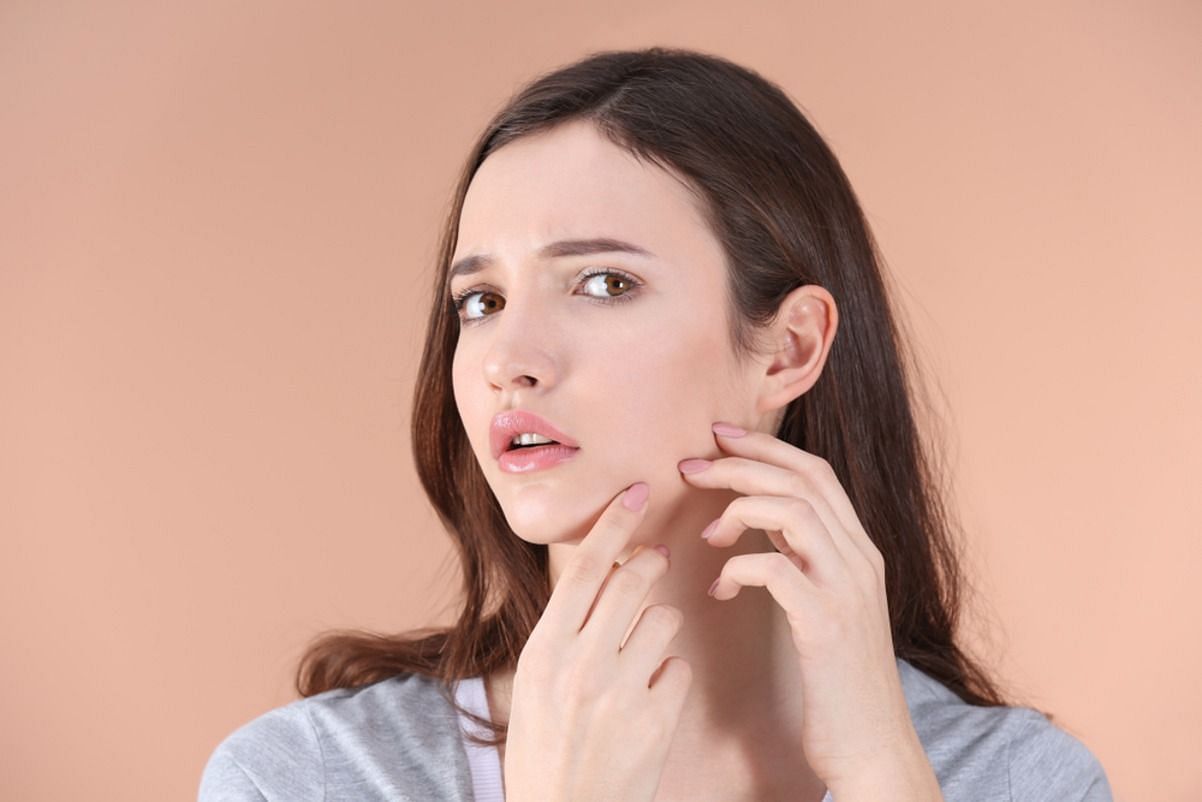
(785, 213)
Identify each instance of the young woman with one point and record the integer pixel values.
(654, 262)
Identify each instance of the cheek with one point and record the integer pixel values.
(458, 384)
(666, 393)
(468, 399)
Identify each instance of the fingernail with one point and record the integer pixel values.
(662, 549)
(713, 586)
(729, 430)
(636, 496)
(693, 465)
(709, 530)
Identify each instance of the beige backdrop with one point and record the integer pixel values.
(217, 226)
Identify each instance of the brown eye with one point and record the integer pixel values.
(609, 281)
(464, 301)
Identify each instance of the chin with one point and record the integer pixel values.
(542, 515)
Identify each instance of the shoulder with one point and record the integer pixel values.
(394, 739)
(998, 753)
(1046, 762)
(275, 756)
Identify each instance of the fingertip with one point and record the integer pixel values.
(635, 497)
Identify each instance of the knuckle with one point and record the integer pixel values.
(626, 581)
(803, 507)
(824, 468)
(584, 569)
(683, 676)
(799, 484)
(615, 524)
(816, 467)
(781, 567)
(821, 467)
(664, 617)
(875, 561)
(678, 673)
(878, 559)
(862, 565)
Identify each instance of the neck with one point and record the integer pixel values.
(743, 712)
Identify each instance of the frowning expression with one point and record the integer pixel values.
(591, 293)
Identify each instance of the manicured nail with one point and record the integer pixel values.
(693, 465)
(728, 430)
(636, 496)
(709, 530)
(713, 587)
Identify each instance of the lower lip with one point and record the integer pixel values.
(525, 460)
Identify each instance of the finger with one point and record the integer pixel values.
(797, 520)
(592, 561)
(755, 478)
(817, 471)
(792, 589)
(605, 583)
(643, 651)
(618, 603)
(670, 686)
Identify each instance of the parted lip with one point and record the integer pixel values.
(507, 425)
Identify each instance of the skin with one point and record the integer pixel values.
(638, 385)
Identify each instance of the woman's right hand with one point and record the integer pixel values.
(589, 721)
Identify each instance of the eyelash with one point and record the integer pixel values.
(460, 298)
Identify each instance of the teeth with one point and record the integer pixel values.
(529, 438)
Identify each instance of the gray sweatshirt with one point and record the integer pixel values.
(398, 739)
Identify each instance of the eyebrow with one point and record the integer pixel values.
(568, 247)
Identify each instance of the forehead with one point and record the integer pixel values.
(571, 182)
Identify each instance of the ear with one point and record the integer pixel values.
(803, 330)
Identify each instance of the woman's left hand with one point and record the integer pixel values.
(830, 579)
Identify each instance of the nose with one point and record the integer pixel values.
(513, 370)
(519, 356)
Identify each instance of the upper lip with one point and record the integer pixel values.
(509, 424)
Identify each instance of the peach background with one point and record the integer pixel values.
(217, 227)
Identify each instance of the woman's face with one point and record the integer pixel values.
(636, 381)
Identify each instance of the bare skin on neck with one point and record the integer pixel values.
(739, 732)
